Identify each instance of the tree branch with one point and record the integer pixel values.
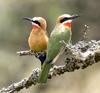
(29, 52)
(78, 56)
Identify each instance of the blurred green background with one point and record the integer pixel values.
(14, 32)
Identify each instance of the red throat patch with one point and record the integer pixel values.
(35, 27)
(67, 24)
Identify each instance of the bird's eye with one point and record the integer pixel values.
(37, 22)
(64, 19)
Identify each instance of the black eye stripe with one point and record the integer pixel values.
(37, 22)
(64, 19)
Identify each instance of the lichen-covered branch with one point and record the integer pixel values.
(29, 52)
(78, 56)
(26, 52)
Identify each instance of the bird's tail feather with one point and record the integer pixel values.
(44, 73)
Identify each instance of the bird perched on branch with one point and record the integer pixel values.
(61, 32)
(38, 38)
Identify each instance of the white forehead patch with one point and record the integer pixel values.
(65, 15)
(36, 18)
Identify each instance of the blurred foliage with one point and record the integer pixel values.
(14, 32)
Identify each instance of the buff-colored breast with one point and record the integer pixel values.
(38, 41)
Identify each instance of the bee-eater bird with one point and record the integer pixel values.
(61, 32)
(38, 38)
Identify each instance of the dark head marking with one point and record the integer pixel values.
(37, 22)
(64, 19)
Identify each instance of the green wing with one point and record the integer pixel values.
(54, 44)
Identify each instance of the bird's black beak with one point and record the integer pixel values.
(74, 16)
(27, 18)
